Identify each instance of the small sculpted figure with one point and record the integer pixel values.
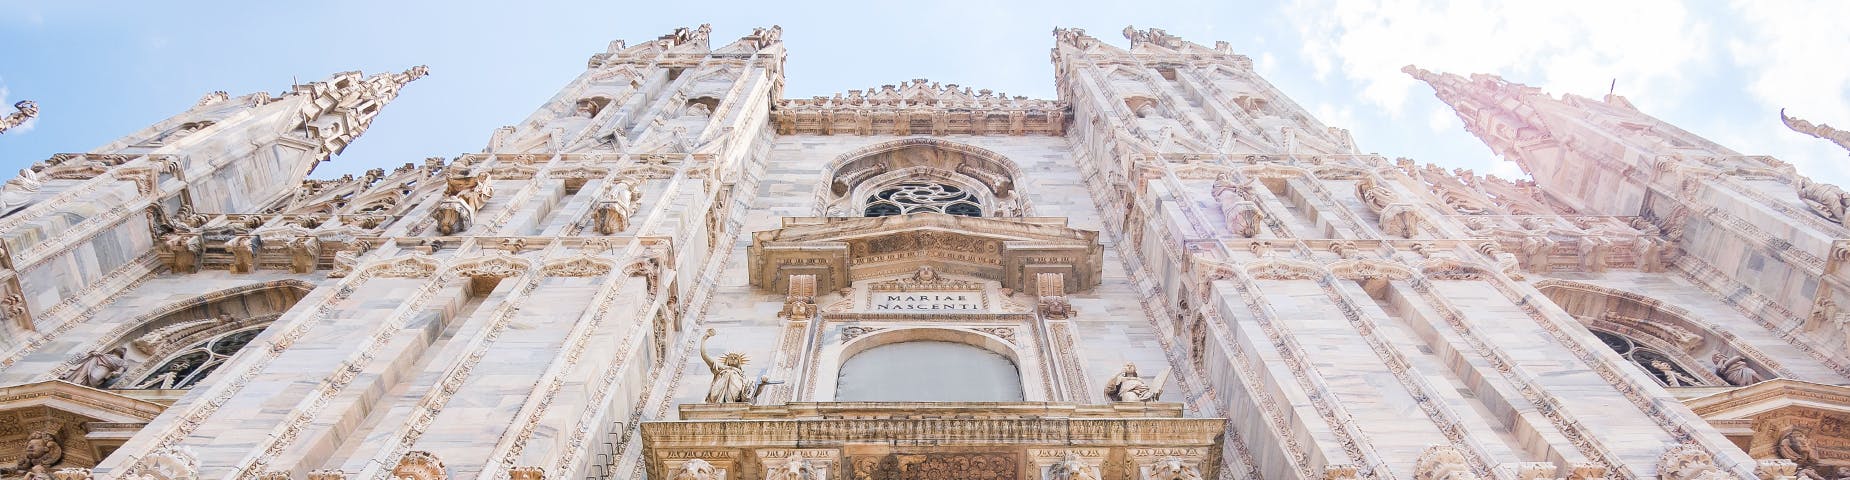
(98, 368)
(1734, 370)
(729, 382)
(1126, 386)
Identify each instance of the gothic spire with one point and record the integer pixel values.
(1498, 111)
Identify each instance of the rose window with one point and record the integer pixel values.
(918, 197)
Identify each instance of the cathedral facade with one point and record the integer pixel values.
(672, 271)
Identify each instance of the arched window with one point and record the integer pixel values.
(918, 197)
(928, 371)
(191, 364)
(1661, 366)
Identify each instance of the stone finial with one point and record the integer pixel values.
(1535, 471)
(1442, 462)
(420, 465)
(1688, 462)
(171, 463)
(27, 110)
(1586, 471)
(1776, 469)
(1340, 472)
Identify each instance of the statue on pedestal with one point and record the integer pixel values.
(1126, 386)
(729, 382)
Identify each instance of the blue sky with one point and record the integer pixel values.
(1722, 70)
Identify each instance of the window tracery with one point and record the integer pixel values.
(1663, 367)
(918, 197)
(189, 365)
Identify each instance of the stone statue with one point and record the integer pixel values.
(1126, 386)
(1825, 199)
(586, 108)
(795, 469)
(1672, 377)
(1071, 467)
(42, 453)
(699, 110)
(27, 110)
(1734, 370)
(1796, 446)
(1172, 468)
(729, 382)
(696, 469)
(98, 368)
(18, 190)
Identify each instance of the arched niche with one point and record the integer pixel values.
(834, 358)
(1644, 330)
(859, 174)
(202, 332)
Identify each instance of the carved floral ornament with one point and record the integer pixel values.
(580, 266)
(1284, 269)
(412, 266)
(500, 265)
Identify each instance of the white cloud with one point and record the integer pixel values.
(1266, 64)
(1443, 119)
(1340, 117)
(1793, 57)
(1581, 45)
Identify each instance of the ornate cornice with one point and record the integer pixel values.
(921, 107)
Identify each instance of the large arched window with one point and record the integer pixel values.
(928, 371)
(187, 367)
(917, 197)
(180, 345)
(1661, 366)
(1663, 340)
(921, 175)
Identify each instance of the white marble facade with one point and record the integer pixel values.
(524, 312)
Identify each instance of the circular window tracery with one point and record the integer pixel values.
(917, 197)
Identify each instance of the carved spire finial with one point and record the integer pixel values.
(27, 110)
(1822, 130)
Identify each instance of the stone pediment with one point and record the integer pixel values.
(86, 424)
(1758, 417)
(840, 251)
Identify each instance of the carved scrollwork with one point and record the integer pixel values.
(1688, 462)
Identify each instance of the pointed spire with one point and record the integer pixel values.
(1498, 111)
(27, 110)
(1822, 130)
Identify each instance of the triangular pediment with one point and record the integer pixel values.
(841, 250)
(83, 423)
